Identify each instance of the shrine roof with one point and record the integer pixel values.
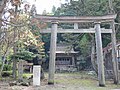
(64, 48)
(109, 46)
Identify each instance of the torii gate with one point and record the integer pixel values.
(97, 20)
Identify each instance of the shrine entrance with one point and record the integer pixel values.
(76, 20)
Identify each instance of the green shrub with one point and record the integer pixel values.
(24, 76)
(27, 75)
(6, 73)
(6, 67)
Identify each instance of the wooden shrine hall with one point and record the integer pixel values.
(76, 20)
(65, 58)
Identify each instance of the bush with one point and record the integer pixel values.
(6, 67)
(27, 75)
(24, 76)
(6, 73)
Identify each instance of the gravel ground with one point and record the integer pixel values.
(64, 82)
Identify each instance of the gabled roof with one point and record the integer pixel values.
(65, 48)
(109, 46)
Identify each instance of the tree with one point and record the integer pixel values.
(85, 8)
(17, 34)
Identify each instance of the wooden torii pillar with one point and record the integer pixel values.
(52, 52)
(101, 75)
(114, 54)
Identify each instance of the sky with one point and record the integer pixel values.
(46, 4)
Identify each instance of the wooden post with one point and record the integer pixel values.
(20, 70)
(114, 55)
(52, 53)
(99, 50)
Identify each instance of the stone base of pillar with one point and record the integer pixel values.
(101, 85)
(51, 83)
(116, 82)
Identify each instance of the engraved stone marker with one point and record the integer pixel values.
(36, 75)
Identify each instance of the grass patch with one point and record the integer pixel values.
(88, 82)
(27, 75)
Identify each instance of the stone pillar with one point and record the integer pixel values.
(75, 25)
(101, 75)
(73, 61)
(52, 53)
(20, 70)
(36, 75)
(114, 54)
(30, 69)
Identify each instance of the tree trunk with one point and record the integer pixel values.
(2, 6)
(14, 60)
(3, 62)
